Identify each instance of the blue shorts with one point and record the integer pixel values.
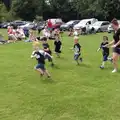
(76, 56)
(40, 66)
(116, 50)
(105, 57)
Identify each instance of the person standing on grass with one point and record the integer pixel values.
(58, 45)
(105, 51)
(115, 44)
(40, 67)
(77, 50)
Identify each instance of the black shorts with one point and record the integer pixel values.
(57, 50)
(105, 57)
(76, 56)
(116, 50)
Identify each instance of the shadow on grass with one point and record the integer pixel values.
(84, 65)
(45, 80)
(55, 67)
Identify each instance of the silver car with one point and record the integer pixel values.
(100, 26)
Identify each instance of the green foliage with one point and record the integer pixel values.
(65, 9)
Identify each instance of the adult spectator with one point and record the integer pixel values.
(49, 25)
(115, 44)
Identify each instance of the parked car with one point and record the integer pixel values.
(110, 29)
(69, 24)
(29, 25)
(85, 23)
(41, 25)
(18, 23)
(4, 25)
(56, 23)
(100, 26)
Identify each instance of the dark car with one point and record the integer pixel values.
(4, 25)
(69, 25)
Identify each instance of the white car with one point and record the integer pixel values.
(100, 26)
(85, 23)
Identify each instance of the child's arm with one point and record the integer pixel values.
(109, 44)
(98, 49)
(33, 54)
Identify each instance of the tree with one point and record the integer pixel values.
(26, 9)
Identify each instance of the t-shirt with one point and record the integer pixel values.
(40, 56)
(116, 37)
(77, 48)
(57, 44)
(105, 49)
(46, 46)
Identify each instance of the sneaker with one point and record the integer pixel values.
(114, 71)
(102, 67)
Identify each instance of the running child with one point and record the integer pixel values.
(58, 45)
(77, 50)
(46, 48)
(105, 51)
(40, 67)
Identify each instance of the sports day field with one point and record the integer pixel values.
(82, 92)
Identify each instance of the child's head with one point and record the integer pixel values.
(44, 39)
(76, 40)
(105, 38)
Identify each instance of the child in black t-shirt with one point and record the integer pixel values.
(46, 48)
(40, 57)
(105, 51)
(77, 50)
(58, 45)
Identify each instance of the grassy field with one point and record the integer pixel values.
(76, 92)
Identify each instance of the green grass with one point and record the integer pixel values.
(76, 93)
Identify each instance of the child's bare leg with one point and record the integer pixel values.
(77, 62)
(40, 71)
(46, 73)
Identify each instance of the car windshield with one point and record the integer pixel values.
(83, 22)
(97, 23)
(70, 22)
